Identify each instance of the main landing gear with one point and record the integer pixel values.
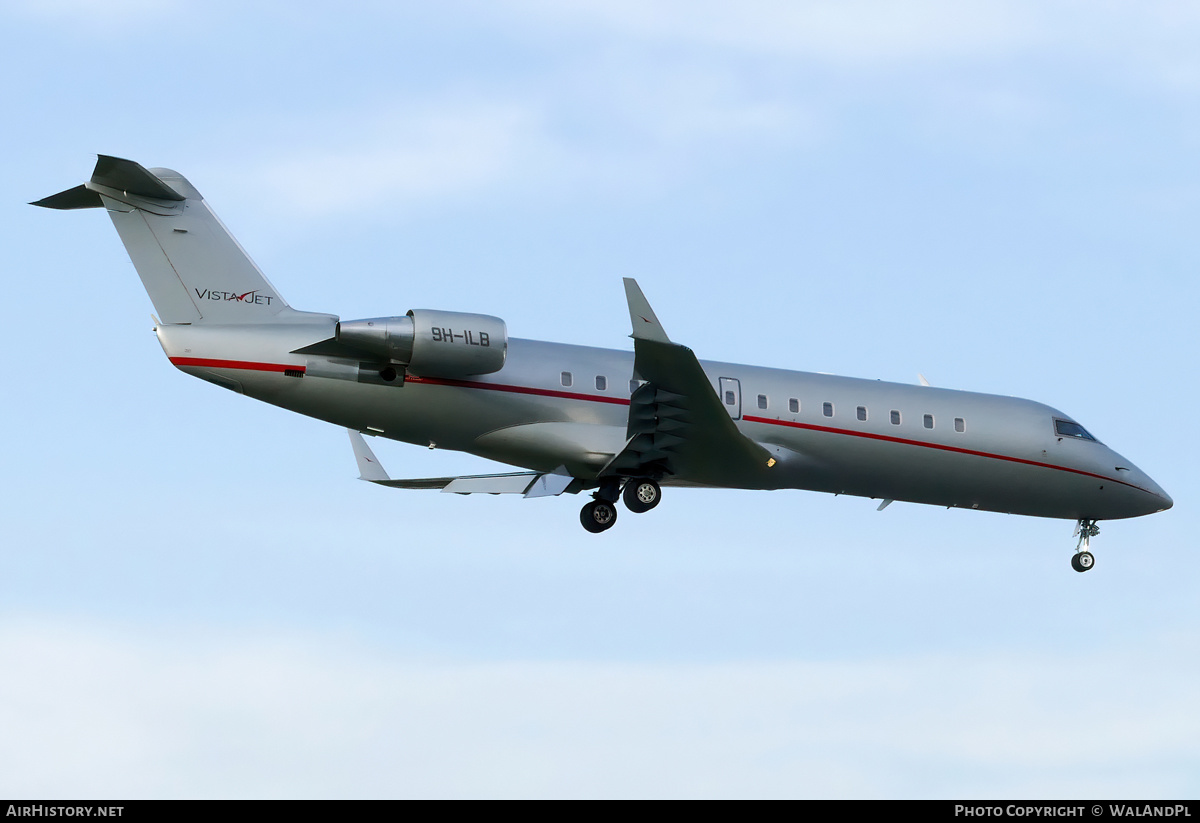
(599, 515)
(640, 495)
(1083, 559)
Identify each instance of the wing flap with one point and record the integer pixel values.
(530, 484)
(551, 484)
(515, 483)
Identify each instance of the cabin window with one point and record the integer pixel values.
(827, 409)
(895, 418)
(566, 378)
(862, 413)
(730, 398)
(960, 425)
(794, 406)
(601, 383)
(929, 421)
(762, 401)
(1069, 428)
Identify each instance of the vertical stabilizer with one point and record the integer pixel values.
(192, 267)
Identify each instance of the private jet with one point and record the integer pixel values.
(616, 424)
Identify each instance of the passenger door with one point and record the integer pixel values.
(731, 396)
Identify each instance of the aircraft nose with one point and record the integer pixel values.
(1141, 495)
(1167, 502)
(1160, 500)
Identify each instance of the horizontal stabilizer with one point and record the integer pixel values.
(80, 197)
(131, 178)
(113, 173)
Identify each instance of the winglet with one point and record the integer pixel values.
(368, 465)
(645, 323)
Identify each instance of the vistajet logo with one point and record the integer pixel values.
(255, 297)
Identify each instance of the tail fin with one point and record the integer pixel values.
(192, 267)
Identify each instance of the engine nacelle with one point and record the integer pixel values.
(434, 343)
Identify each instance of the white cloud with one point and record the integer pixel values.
(1151, 43)
(119, 714)
(860, 31)
(418, 155)
(639, 131)
(104, 15)
(649, 93)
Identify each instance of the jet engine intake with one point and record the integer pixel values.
(433, 343)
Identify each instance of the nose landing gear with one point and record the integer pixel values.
(1084, 559)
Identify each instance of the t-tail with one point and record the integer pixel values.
(193, 269)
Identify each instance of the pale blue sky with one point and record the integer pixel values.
(197, 598)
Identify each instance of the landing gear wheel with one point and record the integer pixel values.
(598, 516)
(1082, 561)
(641, 495)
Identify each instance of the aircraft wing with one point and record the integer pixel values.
(529, 484)
(677, 424)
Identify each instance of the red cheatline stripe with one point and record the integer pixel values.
(623, 401)
(903, 441)
(428, 381)
(205, 362)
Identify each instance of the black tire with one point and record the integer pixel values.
(641, 495)
(1083, 561)
(598, 516)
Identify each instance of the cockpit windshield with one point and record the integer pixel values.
(1069, 428)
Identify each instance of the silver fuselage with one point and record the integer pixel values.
(1007, 456)
(565, 412)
